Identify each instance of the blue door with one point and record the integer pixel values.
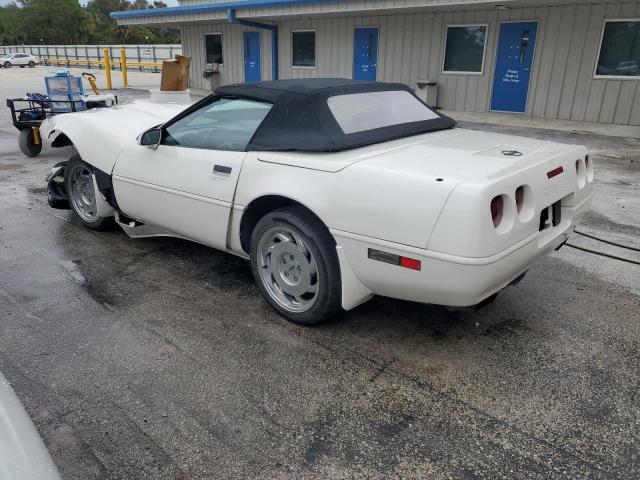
(365, 54)
(513, 66)
(251, 56)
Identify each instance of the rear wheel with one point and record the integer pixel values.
(82, 196)
(7, 64)
(32, 64)
(26, 142)
(295, 264)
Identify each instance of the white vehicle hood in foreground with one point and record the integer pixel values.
(22, 453)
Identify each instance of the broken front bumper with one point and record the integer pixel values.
(56, 191)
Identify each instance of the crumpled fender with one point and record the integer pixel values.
(99, 135)
(97, 146)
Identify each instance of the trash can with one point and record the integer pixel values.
(428, 92)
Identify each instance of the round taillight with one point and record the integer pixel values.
(589, 165)
(519, 198)
(581, 173)
(497, 210)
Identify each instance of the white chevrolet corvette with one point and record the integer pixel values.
(336, 190)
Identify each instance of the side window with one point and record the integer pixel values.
(619, 49)
(464, 49)
(213, 47)
(303, 48)
(221, 124)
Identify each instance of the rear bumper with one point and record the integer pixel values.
(443, 279)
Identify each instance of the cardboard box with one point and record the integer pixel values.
(175, 74)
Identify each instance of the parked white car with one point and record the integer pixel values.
(18, 60)
(335, 190)
(22, 452)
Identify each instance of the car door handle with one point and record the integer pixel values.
(222, 169)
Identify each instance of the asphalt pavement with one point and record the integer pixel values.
(158, 359)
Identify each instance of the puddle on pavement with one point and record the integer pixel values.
(37, 190)
(74, 270)
(10, 166)
(97, 291)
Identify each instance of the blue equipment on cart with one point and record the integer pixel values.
(64, 92)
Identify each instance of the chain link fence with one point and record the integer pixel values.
(93, 53)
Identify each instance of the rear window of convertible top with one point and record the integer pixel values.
(359, 112)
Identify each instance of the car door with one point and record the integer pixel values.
(20, 59)
(187, 184)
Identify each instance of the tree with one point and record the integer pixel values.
(11, 19)
(55, 21)
(67, 22)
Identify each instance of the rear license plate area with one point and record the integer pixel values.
(551, 216)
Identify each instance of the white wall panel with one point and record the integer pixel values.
(411, 49)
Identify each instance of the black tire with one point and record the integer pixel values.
(32, 64)
(26, 142)
(320, 243)
(102, 223)
(7, 64)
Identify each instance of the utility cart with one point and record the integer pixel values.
(65, 94)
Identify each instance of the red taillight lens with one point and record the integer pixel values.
(411, 263)
(519, 198)
(497, 210)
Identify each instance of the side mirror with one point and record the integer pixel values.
(151, 138)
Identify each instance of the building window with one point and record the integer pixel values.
(464, 49)
(304, 48)
(213, 47)
(619, 49)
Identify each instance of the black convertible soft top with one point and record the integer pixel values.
(301, 119)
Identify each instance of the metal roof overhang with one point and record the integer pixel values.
(277, 9)
(193, 12)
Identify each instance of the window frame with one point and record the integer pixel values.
(221, 46)
(597, 76)
(484, 48)
(205, 102)
(315, 48)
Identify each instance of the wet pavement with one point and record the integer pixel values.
(157, 358)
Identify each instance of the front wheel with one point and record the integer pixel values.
(78, 181)
(295, 264)
(27, 143)
(7, 64)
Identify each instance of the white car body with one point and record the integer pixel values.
(426, 197)
(22, 452)
(18, 60)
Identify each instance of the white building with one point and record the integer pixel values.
(559, 59)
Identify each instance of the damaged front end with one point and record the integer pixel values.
(56, 190)
(57, 196)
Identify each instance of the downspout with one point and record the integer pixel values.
(266, 26)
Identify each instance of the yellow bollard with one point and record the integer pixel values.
(123, 67)
(107, 68)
